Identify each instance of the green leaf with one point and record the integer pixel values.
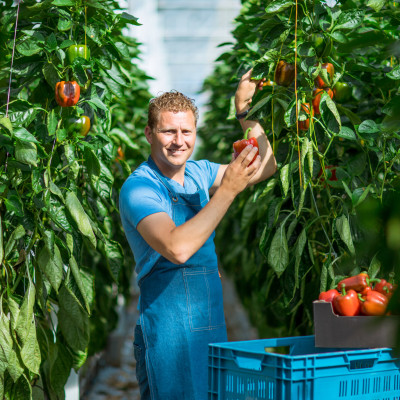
(56, 190)
(290, 114)
(22, 390)
(25, 315)
(121, 135)
(52, 122)
(361, 195)
(64, 24)
(129, 18)
(6, 123)
(78, 214)
(51, 42)
(114, 255)
(50, 74)
(278, 6)
(368, 126)
(26, 153)
(92, 162)
(18, 233)
(14, 204)
(78, 279)
(62, 3)
(50, 263)
(24, 136)
(299, 248)
(343, 227)
(30, 352)
(347, 133)
(394, 73)
(1, 241)
(376, 4)
(278, 255)
(60, 368)
(72, 320)
(28, 47)
(6, 342)
(284, 175)
(97, 103)
(354, 118)
(350, 19)
(374, 267)
(330, 114)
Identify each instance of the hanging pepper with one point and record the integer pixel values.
(317, 93)
(373, 303)
(79, 125)
(347, 303)
(384, 287)
(239, 145)
(319, 82)
(304, 125)
(284, 73)
(329, 295)
(358, 282)
(77, 50)
(67, 93)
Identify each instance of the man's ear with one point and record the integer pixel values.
(147, 132)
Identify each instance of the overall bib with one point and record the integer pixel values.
(181, 311)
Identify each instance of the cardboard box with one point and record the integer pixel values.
(334, 331)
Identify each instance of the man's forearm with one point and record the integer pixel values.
(189, 237)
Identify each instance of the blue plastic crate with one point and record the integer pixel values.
(251, 370)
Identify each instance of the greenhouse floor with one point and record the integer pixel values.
(113, 375)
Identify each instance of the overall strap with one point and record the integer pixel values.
(164, 181)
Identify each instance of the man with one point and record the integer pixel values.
(169, 220)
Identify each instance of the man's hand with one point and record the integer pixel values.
(239, 172)
(246, 90)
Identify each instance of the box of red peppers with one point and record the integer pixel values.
(355, 314)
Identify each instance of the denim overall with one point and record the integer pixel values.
(181, 311)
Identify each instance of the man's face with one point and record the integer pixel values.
(172, 142)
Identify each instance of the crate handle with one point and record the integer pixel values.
(253, 364)
(365, 361)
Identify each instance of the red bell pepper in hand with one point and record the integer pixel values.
(385, 288)
(373, 303)
(67, 93)
(347, 303)
(239, 145)
(329, 295)
(358, 282)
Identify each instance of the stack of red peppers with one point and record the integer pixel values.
(360, 295)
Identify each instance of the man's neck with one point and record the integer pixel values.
(177, 173)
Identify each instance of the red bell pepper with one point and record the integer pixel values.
(304, 125)
(373, 303)
(239, 145)
(384, 287)
(67, 93)
(329, 295)
(347, 303)
(319, 82)
(317, 93)
(358, 282)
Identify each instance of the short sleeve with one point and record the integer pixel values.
(209, 170)
(138, 199)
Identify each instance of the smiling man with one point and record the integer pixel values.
(169, 220)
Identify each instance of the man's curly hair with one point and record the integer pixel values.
(170, 101)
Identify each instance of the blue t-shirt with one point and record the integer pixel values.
(143, 194)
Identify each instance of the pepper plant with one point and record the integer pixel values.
(304, 229)
(62, 249)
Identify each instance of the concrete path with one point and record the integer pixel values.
(112, 376)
